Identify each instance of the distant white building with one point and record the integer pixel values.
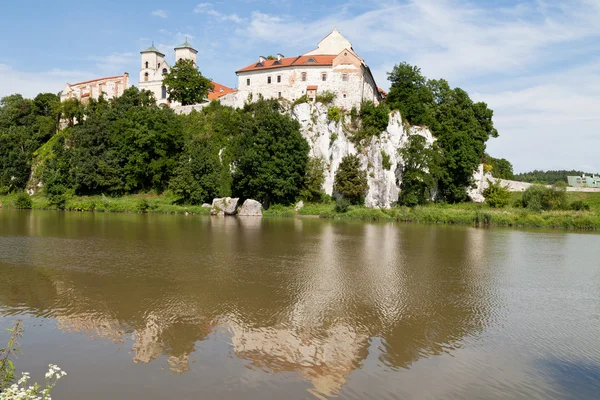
(332, 66)
(109, 87)
(154, 67)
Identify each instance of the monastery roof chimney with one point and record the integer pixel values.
(261, 58)
(279, 56)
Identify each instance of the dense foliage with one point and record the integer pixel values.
(500, 167)
(542, 198)
(24, 126)
(314, 180)
(461, 126)
(418, 178)
(496, 195)
(130, 145)
(271, 155)
(548, 177)
(350, 181)
(186, 84)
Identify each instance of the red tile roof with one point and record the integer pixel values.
(312, 87)
(219, 91)
(95, 80)
(319, 60)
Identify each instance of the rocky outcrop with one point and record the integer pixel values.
(224, 206)
(250, 208)
(330, 140)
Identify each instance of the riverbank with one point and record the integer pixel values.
(464, 214)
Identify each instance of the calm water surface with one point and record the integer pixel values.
(155, 307)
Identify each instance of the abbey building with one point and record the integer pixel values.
(333, 66)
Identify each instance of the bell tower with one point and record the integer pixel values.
(185, 52)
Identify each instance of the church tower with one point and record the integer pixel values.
(185, 52)
(153, 68)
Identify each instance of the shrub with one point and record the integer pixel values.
(4, 190)
(327, 97)
(375, 116)
(579, 205)
(142, 205)
(496, 196)
(350, 180)
(341, 205)
(538, 198)
(23, 201)
(385, 160)
(314, 180)
(300, 100)
(334, 114)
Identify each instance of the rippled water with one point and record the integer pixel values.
(154, 307)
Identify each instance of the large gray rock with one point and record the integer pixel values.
(299, 205)
(224, 206)
(250, 208)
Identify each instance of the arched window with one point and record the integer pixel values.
(158, 65)
(146, 77)
(163, 92)
(304, 77)
(146, 64)
(164, 71)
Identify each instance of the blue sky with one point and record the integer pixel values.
(536, 63)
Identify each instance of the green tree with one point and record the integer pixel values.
(539, 197)
(271, 157)
(313, 180)
(350, 180)
(196, 178)
(496, 195)
(419, 163)
(186, 84)
(410, 94)
(501, 168)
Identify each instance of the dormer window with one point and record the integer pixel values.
(258, 65)
(311, 60)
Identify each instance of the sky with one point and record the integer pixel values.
(536, 63)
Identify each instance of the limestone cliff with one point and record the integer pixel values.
(330, 140)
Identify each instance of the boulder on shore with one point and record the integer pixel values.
(224, 206)
(250, 208)
(299, 205)
(206, 205)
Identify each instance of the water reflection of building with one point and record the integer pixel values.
(300, 296)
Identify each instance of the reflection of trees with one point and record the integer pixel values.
(304, 296)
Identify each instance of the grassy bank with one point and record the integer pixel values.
(465, 214)
(132, 204)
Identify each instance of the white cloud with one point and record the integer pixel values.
(29, 84)
(160, 13)
(207, 8)
(115, 63)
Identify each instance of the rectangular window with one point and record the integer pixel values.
(323, 77)
(248, 82)
(278, 78)
(268, 79)
(304, 77)
(345, 77)
(279, 94)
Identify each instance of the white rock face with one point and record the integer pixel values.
(250, 208)
(224, 206)
(330, 141)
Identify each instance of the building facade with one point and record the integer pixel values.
(110, 87)
(333, 66)
(584, 181)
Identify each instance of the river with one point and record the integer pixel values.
(163, 306)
